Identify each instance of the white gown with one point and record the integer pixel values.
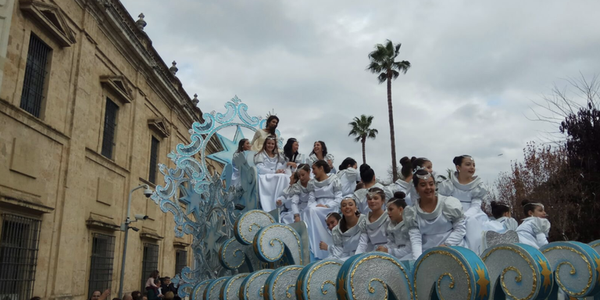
(299, 159)
(360, 196)
(471, 197)
(534, 231)
(374, 234)
(444, 225)
(312, 159)
(270, 184)
(348, 177)
(345, 243)
(402, 186)
(235, 175)
(501, 225)
(299, 198)
(286, 214)
(399, 241)
(327, 192)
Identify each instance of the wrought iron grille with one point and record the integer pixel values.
(153, 159)
(101, 269)
(35, 76)
(18, 256)
(110, 126)
(149, 263)
(180, 260)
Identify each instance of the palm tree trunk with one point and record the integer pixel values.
(363, 140)
(392, 135)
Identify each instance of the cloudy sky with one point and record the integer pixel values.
(476, 68)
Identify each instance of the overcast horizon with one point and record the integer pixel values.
(476, 68)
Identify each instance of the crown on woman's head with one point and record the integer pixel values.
(271, 113)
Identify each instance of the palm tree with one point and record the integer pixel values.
(361, 128)
(383, 63)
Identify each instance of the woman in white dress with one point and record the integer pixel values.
(434, 220)
(346, 234)
(261, 135)
(243, 145)
(367, 177)
(284, 202)
(300, 193)
(535, 228)
(292, 157)
(502, 220)
(374, 233)
(324, 197)
(332, 220)
(320, 153)
(405, 184)
(469, 189)
(272, 180)
(398, 243)
(348, 176)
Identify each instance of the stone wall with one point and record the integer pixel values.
(51, 166)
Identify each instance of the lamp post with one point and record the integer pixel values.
(125, 227)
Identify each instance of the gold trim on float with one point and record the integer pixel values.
(511, 268)
(573, 271)
(377, 279)
(446, 253)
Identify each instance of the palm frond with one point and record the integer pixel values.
(401, 66)
(374, 67)
(382, 77)
(395, 74)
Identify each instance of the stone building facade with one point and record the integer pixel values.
(87, 111)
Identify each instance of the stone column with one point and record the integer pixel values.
(6, 12)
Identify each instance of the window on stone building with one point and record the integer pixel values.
(149, 262)
(19, 243)
(110, 127)
(180, 260)
(101, 267)
(35, 76)
(153, 159)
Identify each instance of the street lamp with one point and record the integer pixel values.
(125, 227)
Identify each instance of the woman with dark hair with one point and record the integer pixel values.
(502, 218)
(348, 176)
(376, 222)
(151, 286)
(367, 177)
(535, 227)
(243, 145)
(404, 184)
(262, 134)
(324, 197)
(469, 189)
(272, 180)
(320, 153)
(284, 202)
(292, 157)
(346, 234)
(434, 220)
(398, 243)
(300, 193)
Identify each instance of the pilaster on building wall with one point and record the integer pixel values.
(87, 110)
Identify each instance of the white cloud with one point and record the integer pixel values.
(476, 67)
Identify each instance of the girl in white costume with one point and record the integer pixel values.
(292, 157)
(243, 145)
(284, 202)
(469, 189)
(300, 193)
(320, 153)
(272, 180)
(348, 176)
(405, 184)
(367, 176)
(398, 243)
(325, 195)
(502, 221)
(346, 234)
(534, 229)
(434, 220)
(374, 233)
(261, 135)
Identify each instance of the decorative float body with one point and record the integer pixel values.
(241, 252)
